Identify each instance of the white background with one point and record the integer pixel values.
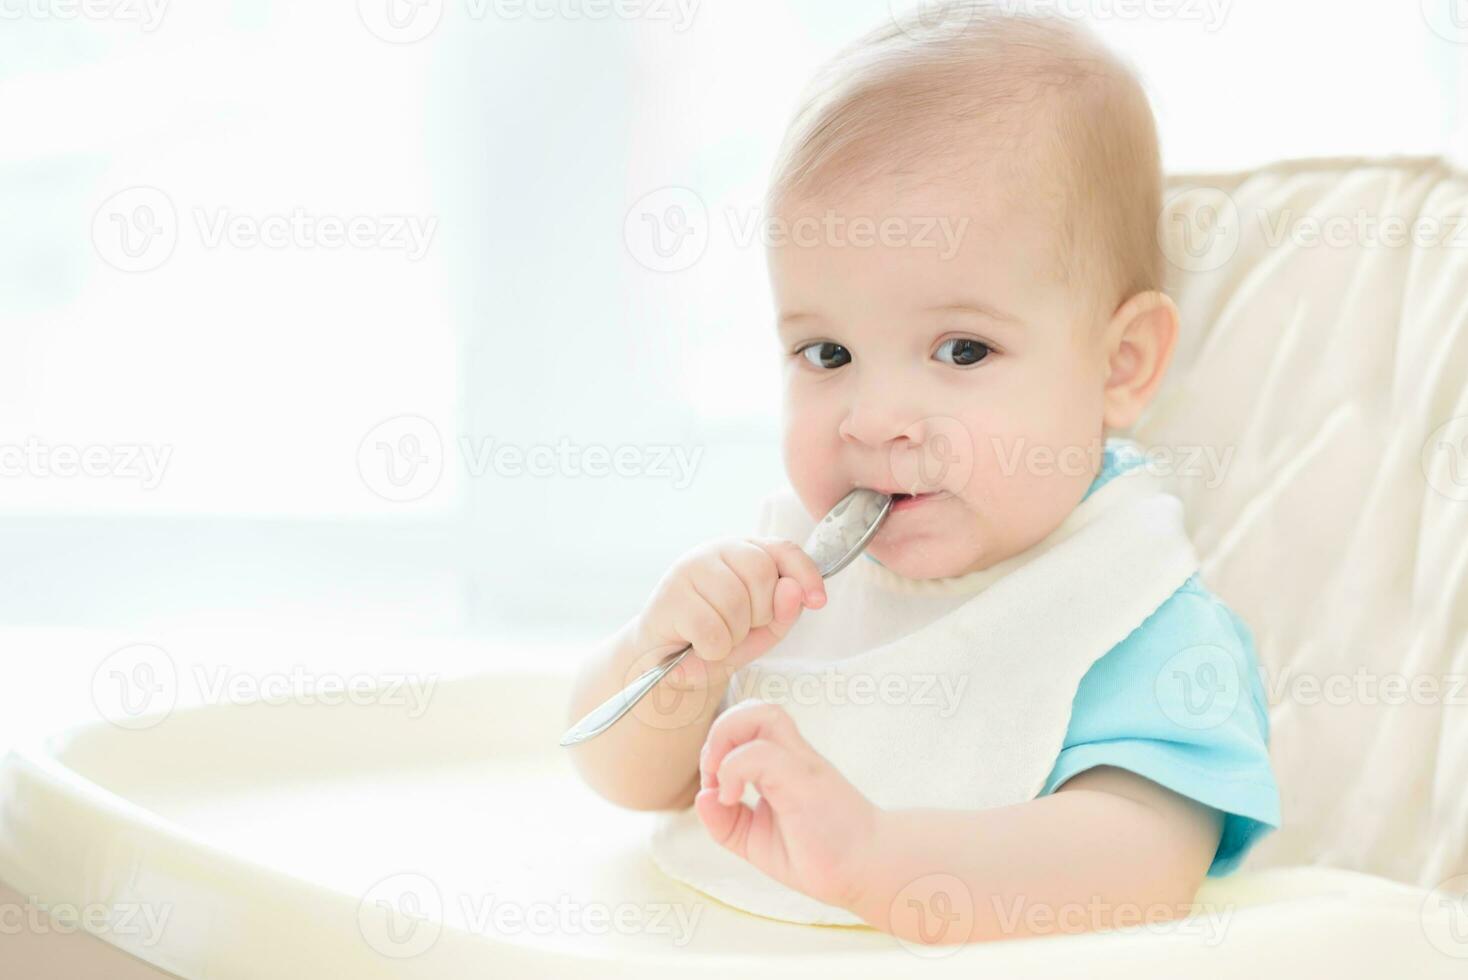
(527, 136)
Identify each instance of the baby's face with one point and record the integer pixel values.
(929, 364)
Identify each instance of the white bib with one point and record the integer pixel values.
(967, 712)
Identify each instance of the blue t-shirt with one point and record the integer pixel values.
(1180, 701)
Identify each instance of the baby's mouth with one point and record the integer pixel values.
(908, 501)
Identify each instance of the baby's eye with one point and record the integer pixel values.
(965, 351)
(820, 348)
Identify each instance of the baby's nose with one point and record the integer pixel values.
(881, 428)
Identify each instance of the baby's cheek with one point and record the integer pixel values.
(811, 462)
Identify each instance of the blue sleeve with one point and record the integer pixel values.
(1180, 702)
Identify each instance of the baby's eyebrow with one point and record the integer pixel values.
(969, 306)
(973, 306)
(789, 319)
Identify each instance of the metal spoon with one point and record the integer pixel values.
(839, 537)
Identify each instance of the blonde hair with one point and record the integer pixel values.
(1071, 124)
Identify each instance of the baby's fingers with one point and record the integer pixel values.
(748, 721)
(791, 561)
(762, 763)
(787, 602)
(753, 835)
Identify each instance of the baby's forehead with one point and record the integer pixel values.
(984, 186)
(987, 170)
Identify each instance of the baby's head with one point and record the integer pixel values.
(969, 283)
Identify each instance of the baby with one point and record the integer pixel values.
(982, 385)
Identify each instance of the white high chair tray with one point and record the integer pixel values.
(303, 840)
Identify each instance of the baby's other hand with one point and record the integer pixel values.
(812, 830)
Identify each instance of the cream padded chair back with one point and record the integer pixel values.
(1323, 361)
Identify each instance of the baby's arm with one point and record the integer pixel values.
(1108, 849)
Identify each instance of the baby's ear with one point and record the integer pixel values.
(1140, 339)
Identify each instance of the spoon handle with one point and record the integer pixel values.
(604, 715)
